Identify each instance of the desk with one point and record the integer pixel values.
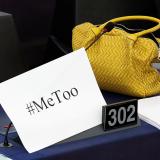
(138, 143)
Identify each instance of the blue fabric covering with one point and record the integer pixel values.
(131, 144)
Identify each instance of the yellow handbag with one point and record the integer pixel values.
(121, 61)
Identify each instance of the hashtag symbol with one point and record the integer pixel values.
(30, 109)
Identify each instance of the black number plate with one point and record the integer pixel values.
(120, 115)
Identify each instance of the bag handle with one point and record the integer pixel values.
(133, 36)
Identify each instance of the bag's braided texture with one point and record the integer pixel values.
(120, 64)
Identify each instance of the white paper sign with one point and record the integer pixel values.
(54, 101)
(149, 110)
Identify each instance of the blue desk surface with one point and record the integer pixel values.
(138, 143)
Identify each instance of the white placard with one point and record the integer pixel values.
(149, 110)
(54, 101)
(3, 157)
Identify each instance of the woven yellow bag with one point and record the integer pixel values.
(121, 61)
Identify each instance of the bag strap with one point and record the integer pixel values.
(133, 36)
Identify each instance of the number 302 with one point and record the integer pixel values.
(122, 115)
